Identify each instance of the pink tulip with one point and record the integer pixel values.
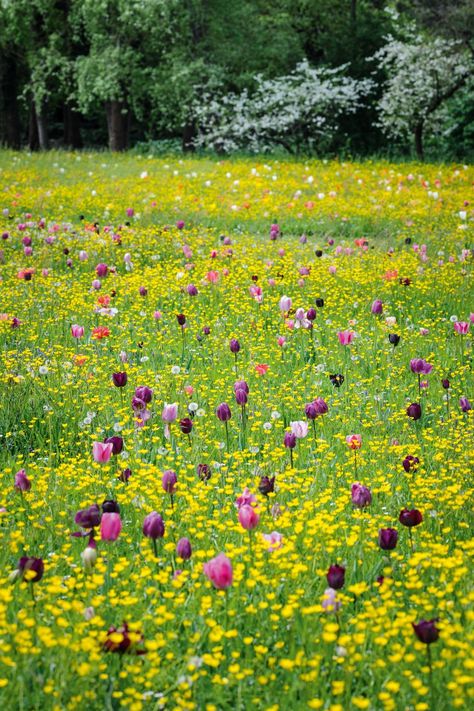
(274, 539)
(285, 303)
(299, 428)
(77, 331)
(281, 340)
(110, 526)
(102, 452)
(245, 499)
(354, 441)
(461, 327)
(219, 571)
(170, 413)
(346, 337)
(248, 517)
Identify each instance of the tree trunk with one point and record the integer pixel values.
(42, 127)
(9, 115)
(72, 128)
(33, 142)
(419, 141)
(118, 125)
(188, 136)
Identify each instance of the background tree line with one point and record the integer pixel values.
(320, 76)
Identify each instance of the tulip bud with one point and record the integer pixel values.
(414, 411)
(223, 412)
(169, 481)
(183, 549)
(153, 526)
(388, 538)
(426, 631)
(234, 345)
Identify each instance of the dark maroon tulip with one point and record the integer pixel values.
(120, 379)
(335, 576)
(388, 538)
(289, 440)
(126, 645)
(319, 303)
(414, 411)
(144, 393)
(143, 291)
(241, 385)
(410, 518)
(241, 397)
(426, 631)
(125, 475)
(30, 565)
(181, 319)
(153, 526)
(337, 379)
(88, 518)
(116, 442)
(183, 549)
(394, 339)
(410, 463)
(445, 383)
(186, 425)
(266, 485)
(204, 471)
(223, 412)
(110, 506)
(234, 345)
(311, 314)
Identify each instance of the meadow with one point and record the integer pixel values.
(235, 434)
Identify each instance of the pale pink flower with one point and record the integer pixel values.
(219, 571)
(345, 337)
(274, 539)
(299, 428)
(102, 452)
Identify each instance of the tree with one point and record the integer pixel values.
(421, 76)
(298, 111)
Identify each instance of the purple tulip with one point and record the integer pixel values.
(234, 346)
(361, 495)
(241, 397)
(183, 549)
(410, 518)
(223, 412)
(241, 385)
(110, 506)
(169, 481)
(31, 569)
(144, 393)
(120, 379)
(186, 425)
(153, 526)
(289, 440)
(88, 518)
(420, 366)
(192, 290)
(464, 404)
(335, 576)
(410, 463)
(22, 483)
(116, 442)
(377, 307)
(414, 411)
(426, 631)
(388, 538)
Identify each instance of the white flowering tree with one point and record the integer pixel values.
(299, 110)
(422, 75)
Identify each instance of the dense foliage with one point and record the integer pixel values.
(236, 434)
(118, 72)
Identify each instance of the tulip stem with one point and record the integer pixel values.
(291, 457)
(155, 547)
(355, 462)
(227, 434)
(410, 535)
(419, 384)
(430, 672)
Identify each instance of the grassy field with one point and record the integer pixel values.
(349, 289)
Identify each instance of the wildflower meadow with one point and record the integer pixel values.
(236, 434)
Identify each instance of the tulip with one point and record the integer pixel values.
(388, 538)
(245, 499)
(241, 385)
(110, 526)
(361, 495)
(192, 290)
(234, 346)
(319, 303)
(377, 307)
(354, 441)
(299, 428)
(183, 549)
(414, 411)
(30, 569)
(119, 379)
(420, 366)
(77, 331)
(266, 485)
(335, 576)
(289, 440)
(285, 304)
(241, 397)
(102, 451)
(153, 527)
(223, 412)
(345, 337)
(144, 393)
(464, 404)
(181, 318)
(461, 327)
(316, 408)
(219, 571)
(311, 314)
(110, 506)
(337, 380)
(101, 270)
(410, 518)
(169, 481)
(394, 339)
(116, 442)
(186, 425)
(88, 518)
(248, 517)
(426, 631)
(120, 641)
(330, 603)
(22, 483)
(410, 463)
(445, 384)
(89, 555)
(170, 413)
(204, 472)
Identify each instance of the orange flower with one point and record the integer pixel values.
(391, 274)
(79, 359)
(104, 300)
(100, 332)
(261, 368)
